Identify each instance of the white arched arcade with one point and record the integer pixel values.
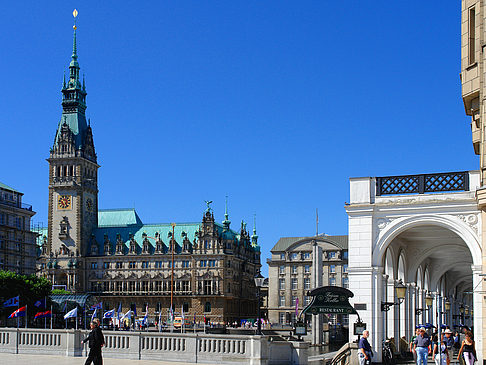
(428, 242)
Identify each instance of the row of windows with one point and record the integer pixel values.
(307, 284)
(12, 220)
(294, 268)
(156, 264)
(294, 256)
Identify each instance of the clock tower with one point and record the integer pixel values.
(73, 185)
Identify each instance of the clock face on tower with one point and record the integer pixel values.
(64, 202)
(89, 205)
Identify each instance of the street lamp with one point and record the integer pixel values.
(259, 279)
(447, 305)
(400, 290)
(429, 299)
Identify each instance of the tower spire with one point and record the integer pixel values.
(254, 236)
(226, 222)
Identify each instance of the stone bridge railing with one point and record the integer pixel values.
(195, 348)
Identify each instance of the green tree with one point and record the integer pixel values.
(29, 288)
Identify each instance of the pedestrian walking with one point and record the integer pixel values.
(364, 349)
(449, 341)
(411, 347)
(468, 349)
(440, 353)
(95, 341)
(422, 346)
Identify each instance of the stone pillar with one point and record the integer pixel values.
(367, 286)
(300, 352)
(477, 306)
(316, 282)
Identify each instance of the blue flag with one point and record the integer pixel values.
(134, 310)
(97, 306)
(41, 303)
(94, 314)
(12, 302)
(109, 314)
(119, 311)
(71, 314)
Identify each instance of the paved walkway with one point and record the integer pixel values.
(12, 359)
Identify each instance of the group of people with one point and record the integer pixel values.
(442, 351)
(421, 345)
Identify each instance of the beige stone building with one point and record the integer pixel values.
(290, 269)
(17, 241)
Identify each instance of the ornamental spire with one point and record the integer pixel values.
(254, 236)
(75, 54)
(226, 222)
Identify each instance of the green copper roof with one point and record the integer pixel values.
(126, 222)
(118, 218)
(77, 124)
(6, 187)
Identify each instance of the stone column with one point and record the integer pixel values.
(316, 282)
(477, 302)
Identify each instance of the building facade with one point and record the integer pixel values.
(17, 240)
(290, 274)
(473, 95)
(205, 268)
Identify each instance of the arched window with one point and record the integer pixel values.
(207, 307)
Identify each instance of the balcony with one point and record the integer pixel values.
(370, 190)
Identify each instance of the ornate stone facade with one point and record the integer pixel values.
(17, 241)
(205, 268)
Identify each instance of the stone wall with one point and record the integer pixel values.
(195, 348)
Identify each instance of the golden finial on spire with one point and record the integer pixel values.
(75, 14)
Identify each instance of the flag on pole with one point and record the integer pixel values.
(296, 308)
(46, 314)
(127, 315)
(134, 311)
(145, 317)
(41, 303)
(109, 314)
(93, 316)
(65, 307)
(182, 312)
(71, 314)
(118, 311)
(97, 306)
(18, 313)
(12, 302)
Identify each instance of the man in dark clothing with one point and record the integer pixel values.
(364, 349)
(95, 341)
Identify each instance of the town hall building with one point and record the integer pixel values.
(204, 268)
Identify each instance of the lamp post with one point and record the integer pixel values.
(400, 290)
(259, 279)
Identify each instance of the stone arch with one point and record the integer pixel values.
(401, 267)
(389, 263)
(454, 224)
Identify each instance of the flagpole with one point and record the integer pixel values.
(18, 307)
(76, 319)
(26, 316)
(45, 307)
(52, 314)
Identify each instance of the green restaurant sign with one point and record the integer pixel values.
(330, 300)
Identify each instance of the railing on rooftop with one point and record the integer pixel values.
(16, 204)
(424, 183)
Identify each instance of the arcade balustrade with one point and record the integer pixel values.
(423, 183)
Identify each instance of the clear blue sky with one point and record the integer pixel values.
(274, 103)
